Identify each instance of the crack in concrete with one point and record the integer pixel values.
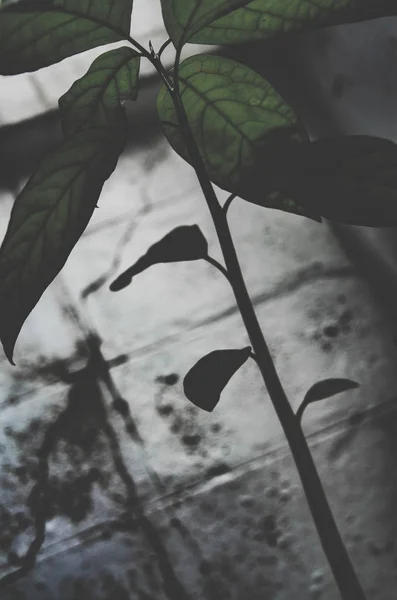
(97, 284)
(287, 286)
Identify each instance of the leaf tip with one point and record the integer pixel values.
(8, 347)
(120, 283)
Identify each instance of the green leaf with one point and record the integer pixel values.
(263, 19)
(233, 113)
(205, 382)
(278, 201)
(48, 218)
(350, 179)
(183, 243)
(182, 18)
(95, 98)
(35, 34)
(325, 389)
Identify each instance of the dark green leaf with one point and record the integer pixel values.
(325, 389)
(34, 34)
(182, 18)
(95, 98)
(233, 113)
(349, 179)
(205, 382)
(263, 19)
(278, 201)
(47, 220)
(183, 243)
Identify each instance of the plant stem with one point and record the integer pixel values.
(332, 543)
(218, 266)
(228, 202)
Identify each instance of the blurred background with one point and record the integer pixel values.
(108, 476)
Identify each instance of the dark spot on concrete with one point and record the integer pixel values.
(20, 471)
(269, 528)
(216, 427)
(346, 317)
(375, 549)
(35, 426)
(121, 406)
(94, 474)
(40, 586)
(272, 492)
(165, 409)
(117, 498)
(247, 501)
(106, 534)
(260, 536)
(176, 426)
(132, 430)
(191, 440)
(331, 331)
(170, 379)
(356, 418)
(217, 470)
(207, 507)
(326, 347)
(22, 474)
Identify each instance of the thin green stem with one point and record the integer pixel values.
(228, 202)
(163, 47)
(300, 411)
(140, 48)
(176, 69)
(154, 59)
(217, 265)
(332, 543)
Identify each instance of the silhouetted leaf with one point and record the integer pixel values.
(279, 201)
(47, 220)
(95, 98)
(325, 389)
(263, 19)
(350, 179)
(37, 33)
(233, 113)
(205, 382)
(182, 18)
(183, 243)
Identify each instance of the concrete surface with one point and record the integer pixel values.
(131, 493)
